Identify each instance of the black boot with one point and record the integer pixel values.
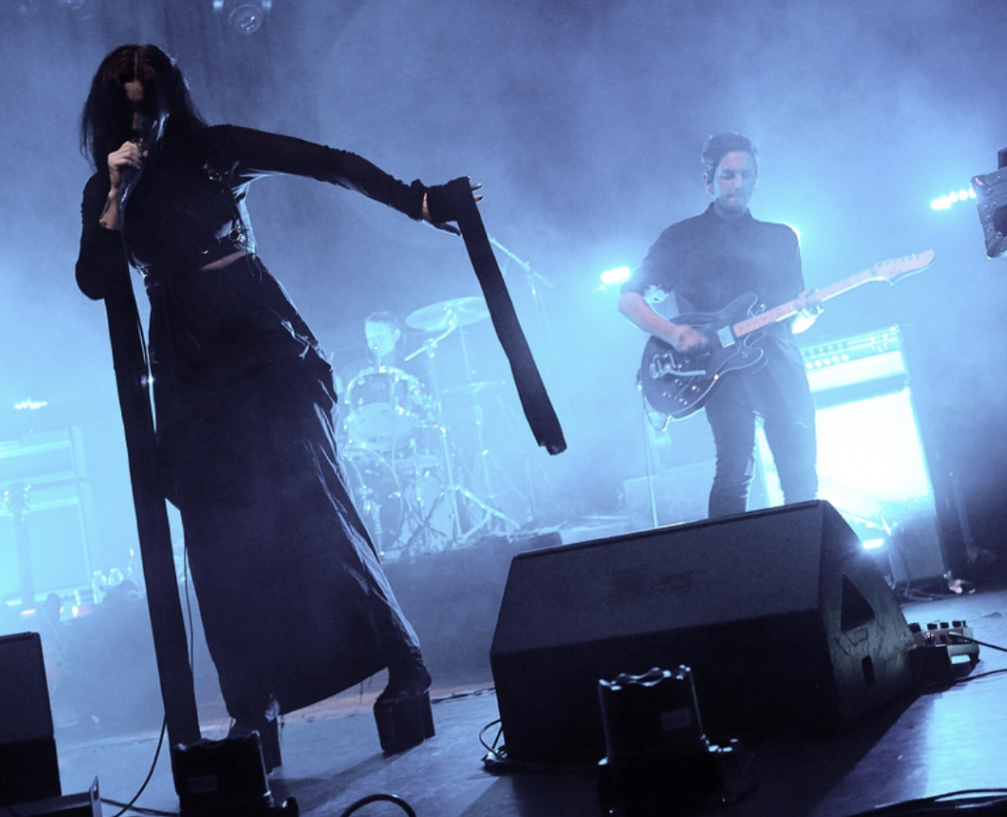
(407, 678)
(402, 711)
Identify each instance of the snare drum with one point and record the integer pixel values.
(384, 405)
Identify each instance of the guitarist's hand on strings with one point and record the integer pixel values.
(684, 338)
(681, 337)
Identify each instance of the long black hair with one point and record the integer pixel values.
(107, 116)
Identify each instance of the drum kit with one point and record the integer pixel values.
(406, 471)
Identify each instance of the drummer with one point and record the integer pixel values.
(382, 334)
(385, 401)
(383, 349)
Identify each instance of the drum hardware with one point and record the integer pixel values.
(459, 499)
(429, 346)
(377, 495)
(384, 406)
(473, 392)
(463, 530)
(398, 439)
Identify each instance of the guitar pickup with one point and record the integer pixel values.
(725, 336)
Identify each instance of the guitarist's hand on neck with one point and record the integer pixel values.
(808, 310)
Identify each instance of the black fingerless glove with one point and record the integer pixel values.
(441, 207)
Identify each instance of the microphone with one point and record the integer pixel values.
(130, 175)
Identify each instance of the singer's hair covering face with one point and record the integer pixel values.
(107, 117)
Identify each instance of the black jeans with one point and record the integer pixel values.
(788, 422)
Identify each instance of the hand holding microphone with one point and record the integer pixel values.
(126, 162)
(124, 168)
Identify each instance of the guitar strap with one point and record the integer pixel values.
(538, 409)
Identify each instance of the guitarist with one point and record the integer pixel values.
(707, 261)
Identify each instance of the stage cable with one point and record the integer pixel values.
(373, 798)
(974, 801)
(124, 807)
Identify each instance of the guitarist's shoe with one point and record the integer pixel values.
(402, 712)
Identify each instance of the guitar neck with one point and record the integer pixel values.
(791, 308)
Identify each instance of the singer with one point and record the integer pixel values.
(294, 602)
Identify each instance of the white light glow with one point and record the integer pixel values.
(30, 405)
(946, 201)
(615, 276)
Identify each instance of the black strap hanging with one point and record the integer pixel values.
(531, 390)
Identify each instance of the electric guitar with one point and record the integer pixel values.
(678, 384)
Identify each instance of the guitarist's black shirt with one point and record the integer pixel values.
(707, 261)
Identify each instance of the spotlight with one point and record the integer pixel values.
(615, 276)
(246, 16)
(948, 200)
(991, 192)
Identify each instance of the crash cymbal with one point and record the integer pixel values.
(448, 314)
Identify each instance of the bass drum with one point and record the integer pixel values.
(376, 495)
(384, 405)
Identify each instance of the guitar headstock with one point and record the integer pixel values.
(898, 268)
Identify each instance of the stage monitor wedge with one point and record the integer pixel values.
(29, 769)
(785, 621)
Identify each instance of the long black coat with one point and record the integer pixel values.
(294, 602)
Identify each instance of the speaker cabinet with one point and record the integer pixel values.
(871, 460)
(28, 765)
(784, 620)
(45, 515)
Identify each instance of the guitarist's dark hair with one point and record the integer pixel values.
(719, 145)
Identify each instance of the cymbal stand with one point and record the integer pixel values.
(453, 490)
(486, 464)
(425, 530)
(533, 280)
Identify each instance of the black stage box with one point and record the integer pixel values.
(785, 621)
(29, 769)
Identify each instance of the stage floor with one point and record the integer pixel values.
(939, 741)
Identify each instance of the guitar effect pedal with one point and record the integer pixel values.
(957, 636)
(940, 647)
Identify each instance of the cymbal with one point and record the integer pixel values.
(448, 314)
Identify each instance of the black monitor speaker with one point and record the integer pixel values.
(28, 766)
(786, 623)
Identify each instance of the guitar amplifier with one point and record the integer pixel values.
(855, 367)
(43, 456)
(871, 461)
(45, 514)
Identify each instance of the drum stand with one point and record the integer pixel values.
(459, 499)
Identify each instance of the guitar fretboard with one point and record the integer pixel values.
(889, 271)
